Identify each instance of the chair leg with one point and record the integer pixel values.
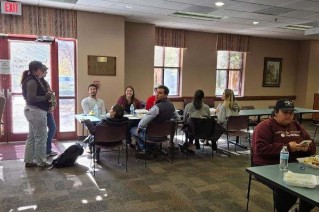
(145, 155)
(273, 199)
(126, 158)
(248, 192)
(237, 141)
(94, 156)
(212, 149)
(118, 156)
(315, 133)
(228, 145)
(186, 140)
(172, 149)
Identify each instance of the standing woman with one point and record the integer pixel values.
(50, 119)
(129, 98)
(35, 111)
(228, 108)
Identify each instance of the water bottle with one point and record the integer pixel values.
(96, 111)
(284, 157)
(132, 109)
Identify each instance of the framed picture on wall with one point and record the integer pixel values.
(272, 72)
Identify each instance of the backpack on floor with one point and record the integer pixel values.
(68, 157)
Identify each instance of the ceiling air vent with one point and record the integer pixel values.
(298, 27)
(274, 11)
(193, 15)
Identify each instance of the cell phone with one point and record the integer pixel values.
(305, 142)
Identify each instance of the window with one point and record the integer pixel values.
(167, 62)
(229, 72)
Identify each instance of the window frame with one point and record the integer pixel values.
(228, 69)
(162, 68)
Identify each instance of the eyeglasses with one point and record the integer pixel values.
(290, 112)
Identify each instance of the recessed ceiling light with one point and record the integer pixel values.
(219, 4)
(256, 22)
(128, 7)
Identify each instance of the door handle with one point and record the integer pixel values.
(9, 93)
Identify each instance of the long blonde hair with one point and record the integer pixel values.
(229, 99)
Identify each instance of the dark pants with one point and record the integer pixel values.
(51, 131)
(283, 200)
(141, 137)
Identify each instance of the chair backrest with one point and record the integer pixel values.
(2, 104)
(203, 128)
(237, 122)
(186, 101)
(161, 129)
(247, 107)
(111, 133)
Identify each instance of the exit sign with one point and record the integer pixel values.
(12, 8)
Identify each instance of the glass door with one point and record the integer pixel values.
(21, 53)
(59, 57)
(66, 87)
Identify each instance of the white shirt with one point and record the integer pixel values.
(89, 102)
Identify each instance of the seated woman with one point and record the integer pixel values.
(228, 108)
(196, 109)
(116, 115)
(129, 98)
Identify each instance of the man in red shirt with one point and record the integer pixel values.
(151, 100)
(270, 136)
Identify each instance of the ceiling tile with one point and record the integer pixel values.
(247, 7)
(89, 8)
(56, 4)
(31, 2)
(95, 3)
(237, 15)
(270, 2)
(303, 5)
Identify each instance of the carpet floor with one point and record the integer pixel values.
(197, 184)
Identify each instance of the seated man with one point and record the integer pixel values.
(115, 116)
(163, 110)
(89, 102)
(270, 136)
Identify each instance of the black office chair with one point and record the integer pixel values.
(201, 128)
(110, 137)
(159, 133)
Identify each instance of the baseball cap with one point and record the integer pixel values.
(35, 65)
(284, 104)
(44, 68)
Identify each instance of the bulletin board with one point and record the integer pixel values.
(101, 65)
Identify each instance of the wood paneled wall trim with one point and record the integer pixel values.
(241, 98)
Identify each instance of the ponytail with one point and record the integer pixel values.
(25, 74)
